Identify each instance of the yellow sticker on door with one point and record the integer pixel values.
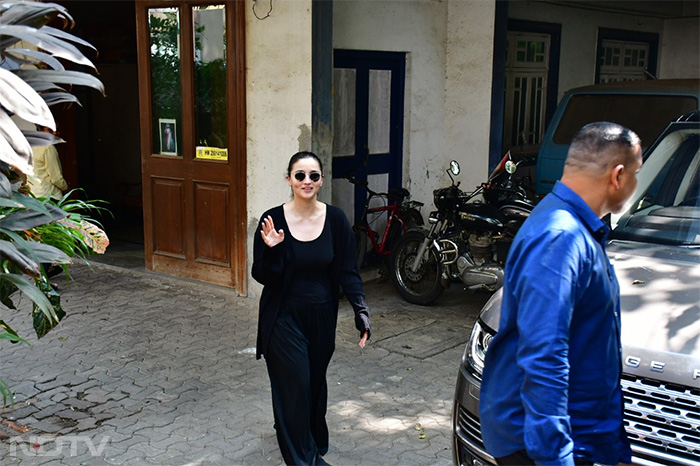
(212, 153)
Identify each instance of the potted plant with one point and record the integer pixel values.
(34, 231)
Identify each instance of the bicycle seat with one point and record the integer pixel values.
(398, 194)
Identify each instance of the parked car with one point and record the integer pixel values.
(655, 249)
(645, 107)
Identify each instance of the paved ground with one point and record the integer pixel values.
(148, 369)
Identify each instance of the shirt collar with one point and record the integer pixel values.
(597, 227)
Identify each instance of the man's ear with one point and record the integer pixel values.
(616, 174)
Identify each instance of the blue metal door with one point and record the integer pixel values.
(368, 111)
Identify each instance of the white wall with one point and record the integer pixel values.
(470, 29)
(278, 94)
(446, 101)
(449, 47)
(680, 49)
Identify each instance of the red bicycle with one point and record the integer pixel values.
(385, 218)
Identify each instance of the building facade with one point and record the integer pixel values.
(387, 90)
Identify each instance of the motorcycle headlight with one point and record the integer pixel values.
(475, 350)
(433, 217)
(442, 198)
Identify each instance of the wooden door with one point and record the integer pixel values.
(368, 106)
(192, 110)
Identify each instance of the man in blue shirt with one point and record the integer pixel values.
(550, 393)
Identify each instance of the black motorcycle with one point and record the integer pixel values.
(511, 189)
(468, 239)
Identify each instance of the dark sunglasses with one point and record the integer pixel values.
(313, 176)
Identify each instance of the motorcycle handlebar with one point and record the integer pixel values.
(467, 196)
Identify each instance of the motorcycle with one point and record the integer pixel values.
(512, 193)
(468, 239)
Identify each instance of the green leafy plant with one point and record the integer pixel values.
(35, 231)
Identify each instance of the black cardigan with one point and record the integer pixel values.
(274, 268)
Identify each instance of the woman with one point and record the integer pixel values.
(303, 255)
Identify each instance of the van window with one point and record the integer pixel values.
(647, 115)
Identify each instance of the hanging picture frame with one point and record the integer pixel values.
(168, 136)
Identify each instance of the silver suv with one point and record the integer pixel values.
(655, 249)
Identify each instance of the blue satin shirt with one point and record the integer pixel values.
(551, 382)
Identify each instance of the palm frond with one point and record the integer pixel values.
(36, 56)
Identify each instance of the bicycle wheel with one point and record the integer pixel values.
(361, 245)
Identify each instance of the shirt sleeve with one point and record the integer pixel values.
(350, 279)
(544, 284)
(53, 168)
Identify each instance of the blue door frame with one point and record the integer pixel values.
(361, 164)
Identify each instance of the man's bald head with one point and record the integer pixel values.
(599, 146)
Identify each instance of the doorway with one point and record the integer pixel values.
(531, 69)
(368, 118)
(192, 125)
(527, 61)
(101, 154)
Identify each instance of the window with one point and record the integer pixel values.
(623, 61)
(626, 55)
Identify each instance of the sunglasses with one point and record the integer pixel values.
(301, 176)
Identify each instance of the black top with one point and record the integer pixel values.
(311, 283)
(275, 268)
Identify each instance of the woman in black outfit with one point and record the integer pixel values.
(305, 252)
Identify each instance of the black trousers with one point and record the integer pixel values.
(520, 458)
(299, 351)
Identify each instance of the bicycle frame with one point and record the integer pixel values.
(395, 223)
(394, 215)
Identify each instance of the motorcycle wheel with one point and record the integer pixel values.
(361, 244)
(422, 286)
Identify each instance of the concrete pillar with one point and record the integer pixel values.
(322, 88)
(278, 94)
(470, 35)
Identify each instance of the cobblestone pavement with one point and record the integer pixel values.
(153, 370)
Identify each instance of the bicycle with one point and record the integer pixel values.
(401, 216)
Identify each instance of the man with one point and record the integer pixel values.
(48, 178)
(550, 393)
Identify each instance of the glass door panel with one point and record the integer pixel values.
(379, 121)
(210, 87)
(344, 83)
(166, 78)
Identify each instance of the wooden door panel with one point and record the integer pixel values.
(167, 201)
(212, 234)
(194, 196)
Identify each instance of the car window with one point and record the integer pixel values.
(666, 205)
(647, 115)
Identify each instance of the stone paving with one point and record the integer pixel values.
(153, 370)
